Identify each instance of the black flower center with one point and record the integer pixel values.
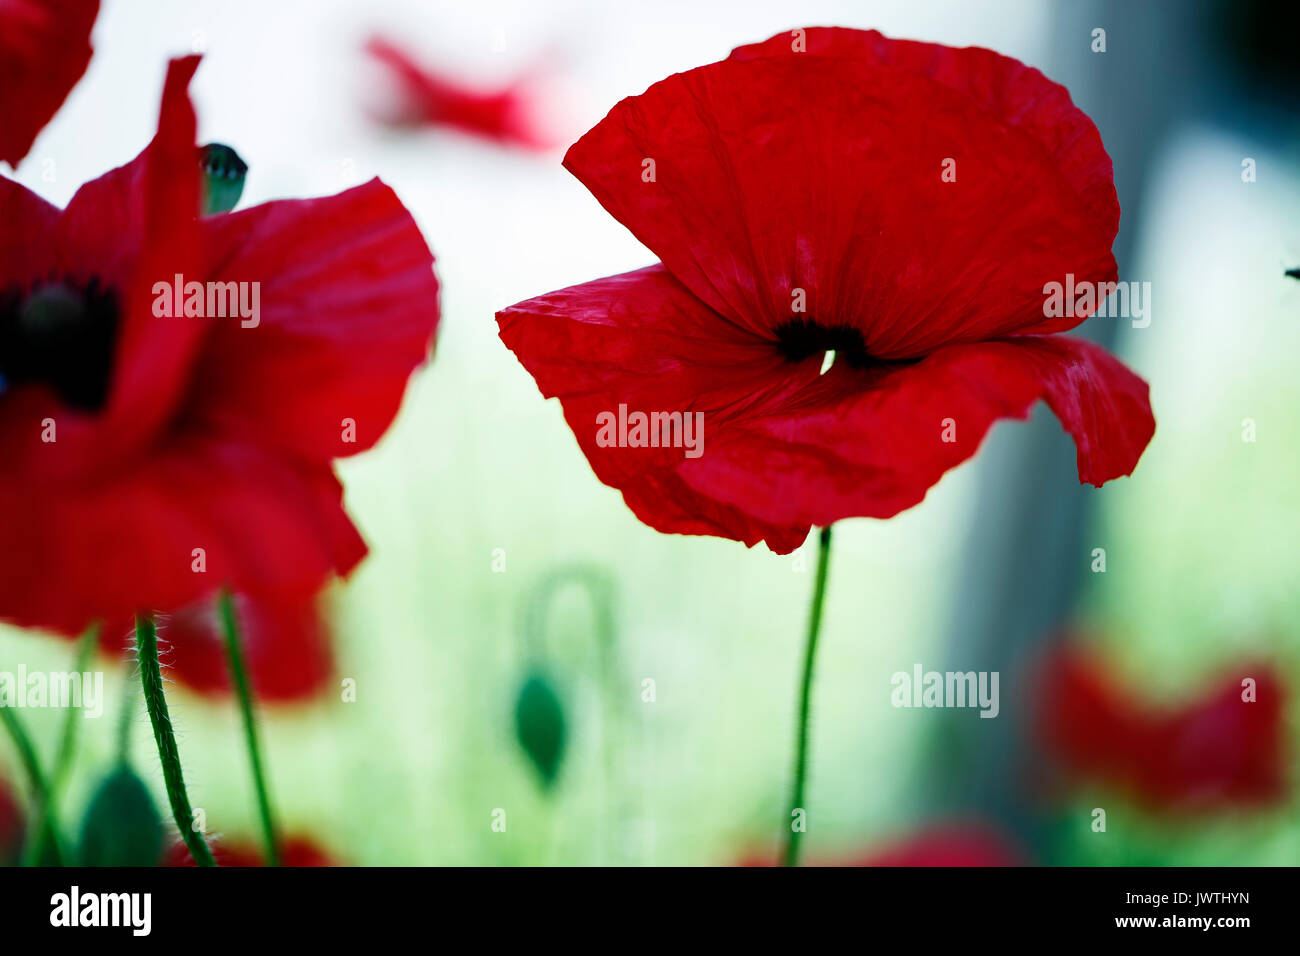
(799, 339)
(60, 333)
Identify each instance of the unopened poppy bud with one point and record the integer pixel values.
(540, 726)
(223, 178)
(122, 826)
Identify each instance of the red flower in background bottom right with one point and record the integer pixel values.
(1224, 748)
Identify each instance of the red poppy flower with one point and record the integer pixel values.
(800, 204)
(150, 460)
(1219, 750)
(44, 50)
(506, 116)
(294, 851)
(942, 845)
(286, 646)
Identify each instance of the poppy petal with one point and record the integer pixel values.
(333, 274)
(846, 450)
(505, 116)
(44, 50)
(1016, 94)
(1221, 749)
(130, 543)
(642, 340)
(28, 233)
(127, 230)
(815, 185)
(784, 447)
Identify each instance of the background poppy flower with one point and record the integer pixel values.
(44, 50)
(1214, 751)
(286, 646)
(949, 844)
(294, 851)
(186, 433)
(797, 201)
(423, 96)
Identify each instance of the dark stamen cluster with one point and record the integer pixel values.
(62, 333)
(799, 339)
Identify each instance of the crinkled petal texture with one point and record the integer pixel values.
(210, 463)
(1016, 94)
(923, 207)
(44, 50)
(348, 304)
(783, 447)
(906, 203)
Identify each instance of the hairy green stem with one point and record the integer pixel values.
(239, 674)
(152, 684)
(805, 699)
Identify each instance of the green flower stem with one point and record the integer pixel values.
(126, 716)
(46, 810)
(35, 775)
(239, 673)
(151, 682)
(805, 696)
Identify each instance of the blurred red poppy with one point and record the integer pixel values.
(286, 646)
(423, 96)
(44, 50)
(151, 456)
(902, 205)
(294, 851)
(952, 844)
(1224, 748)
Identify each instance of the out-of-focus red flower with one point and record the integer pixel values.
(1215, 751)
(507, 116)
(44, 50)
(799, 204)
(150, 460)
(294, 851)
(12, 826)
(286, 646)
(952, 844)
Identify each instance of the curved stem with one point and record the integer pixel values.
(35, 775)
(127, 714)
(146, 638)
(46, 809)
(239, 673)
(805, 697)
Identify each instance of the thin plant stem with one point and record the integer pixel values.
(146, 638)
(35, 775)
(239, 674)
(805, 698)
(46, 811)
(126, 716)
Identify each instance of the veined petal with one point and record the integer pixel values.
(779, 187)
